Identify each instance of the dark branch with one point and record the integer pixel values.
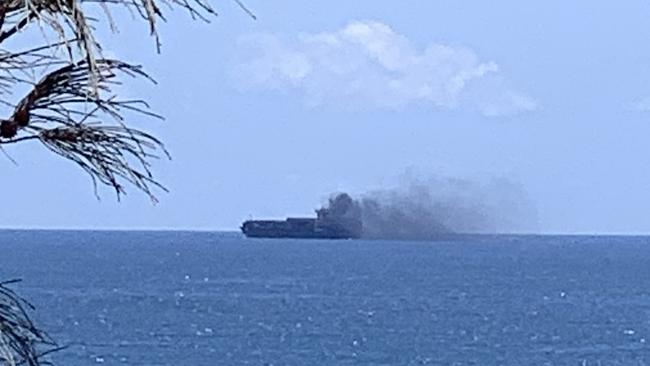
(56, 112)
(21, 342)
(109, 154)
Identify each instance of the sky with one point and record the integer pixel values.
(268, 117)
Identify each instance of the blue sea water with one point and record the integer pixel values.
(184, 298)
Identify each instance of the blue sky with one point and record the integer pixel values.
(267, 117)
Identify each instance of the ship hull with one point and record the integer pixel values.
(294, 229)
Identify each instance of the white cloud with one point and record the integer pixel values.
(368, 63)
(642, 105)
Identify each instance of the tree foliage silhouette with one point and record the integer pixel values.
(62, 93)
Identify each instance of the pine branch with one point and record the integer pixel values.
(21, 342)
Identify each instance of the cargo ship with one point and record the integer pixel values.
(341, 219)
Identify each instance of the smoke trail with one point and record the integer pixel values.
(429, 209)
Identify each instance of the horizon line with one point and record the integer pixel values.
(233, 230)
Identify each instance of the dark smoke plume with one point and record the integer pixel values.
(430, 209)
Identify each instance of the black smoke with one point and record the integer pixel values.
(433, 208)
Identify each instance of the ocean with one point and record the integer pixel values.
(199, 298)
